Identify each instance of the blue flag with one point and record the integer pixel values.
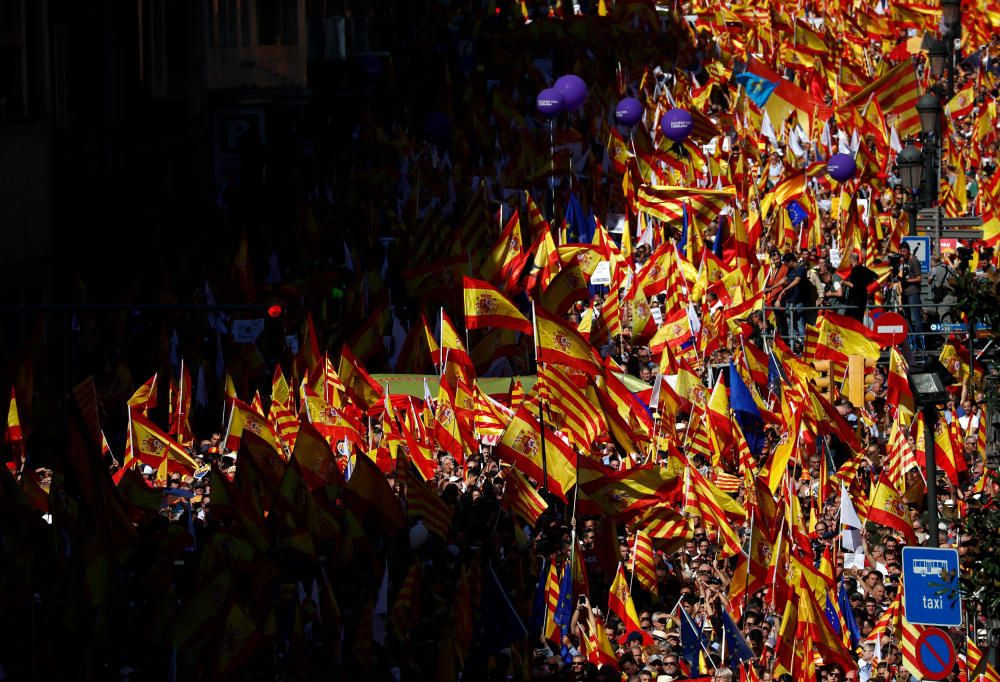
(692, 641)
(831, 614)
(736, 644)
(845, 608)
(758, 88)
(579, 223)
(537, 620)
(683, 241)
(796, 213)
(564, 607)
(745, 410)
(720, 237)
(502, 624)
(774, 375)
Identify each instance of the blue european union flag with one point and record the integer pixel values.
(580, 224)
(796, 213)
(736, 643)
(758, 88)
(746, 412)
(692, 642)
(845, 608)
(683, 240)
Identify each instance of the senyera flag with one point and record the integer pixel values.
(485, 306)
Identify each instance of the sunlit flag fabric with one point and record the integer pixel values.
(152, 446)
(888, 509)
(521, 446)
(620, 603)
(558, 343)
(487, 307)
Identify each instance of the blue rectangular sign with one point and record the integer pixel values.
(921, 248)
(930, 586)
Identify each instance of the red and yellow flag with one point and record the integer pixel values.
(620, 603)
(152, 446)
(841, 336)
(521, 446)
(521, 498)
(487, 307)
(558, 343)
(888, 509)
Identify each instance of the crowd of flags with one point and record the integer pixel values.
(311, 462)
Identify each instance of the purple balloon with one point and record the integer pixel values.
(841, 167)
(629, 111)
(677, 124)
(550, 102)
(573, 90)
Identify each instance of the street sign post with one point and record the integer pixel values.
(930, 586)
(921, 248)
(935, 654)
(891, 327)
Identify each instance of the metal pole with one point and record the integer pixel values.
(541, 433)
(930, 419)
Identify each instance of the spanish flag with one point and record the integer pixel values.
(14, 433)
(485, 306)
(620, 603)
(245, 418)
(841, 336)
(151, 446)
(361, 388)
(521, 446)
(888, 509)
(452, 349)
(557, 342)
(569, 286)
(623, 493)
(506, 252)
(899, 392)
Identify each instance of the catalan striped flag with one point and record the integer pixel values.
(644, 561)
(521, 498)
(908, 645)
(281, 412)
(578, 416)
(662, 522)
(549, 630)
(897, 93)
(667, 202)
(977, 665)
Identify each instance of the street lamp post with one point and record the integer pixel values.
(911, 172)
(951, 15)
(929, 108)
(929, 391)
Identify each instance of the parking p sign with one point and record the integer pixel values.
(930, 586)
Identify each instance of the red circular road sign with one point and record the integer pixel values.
(891, 328)
(935, 654)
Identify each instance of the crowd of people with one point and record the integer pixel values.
(642, 452)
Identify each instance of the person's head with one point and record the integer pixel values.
(904, 249)
(723, 675)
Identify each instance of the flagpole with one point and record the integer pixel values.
(441, 345)
(635, 542)
(541, 404)
(774, 579)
